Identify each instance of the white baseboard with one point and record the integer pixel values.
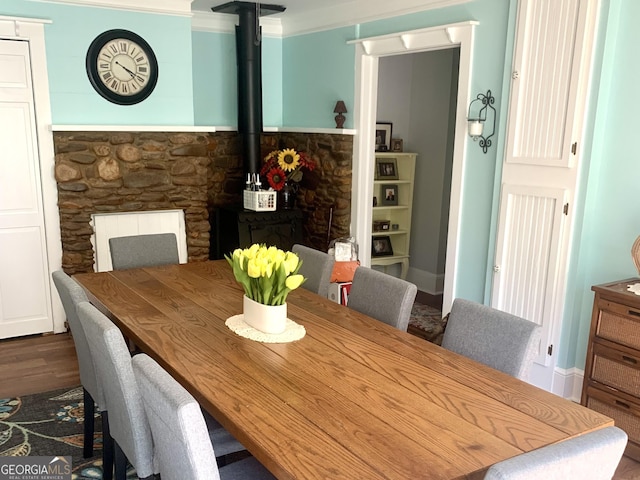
(567, 383)
(426, 281)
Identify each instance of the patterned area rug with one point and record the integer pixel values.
(51, 424)
(427, 322)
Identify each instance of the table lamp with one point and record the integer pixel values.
(340, 109)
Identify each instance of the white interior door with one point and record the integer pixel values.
(25, 306)
(542, 159)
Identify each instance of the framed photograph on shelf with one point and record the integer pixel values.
(386, 169)
(383, 137)
(396, 144)
(381, 246)
(381, 225)
(389, 194)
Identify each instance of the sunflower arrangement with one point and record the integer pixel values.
(285, 165)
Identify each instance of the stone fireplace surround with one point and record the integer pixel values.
(198, 172)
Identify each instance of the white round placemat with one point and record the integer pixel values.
(292, 332)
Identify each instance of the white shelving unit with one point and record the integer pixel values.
(398, 216)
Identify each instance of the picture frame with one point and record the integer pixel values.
(383, 136)
(386, 169)
(381, 246)
(396, 145)
(389, 194)
(381, 225)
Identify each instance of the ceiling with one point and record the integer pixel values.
(292, 6)
(313, 15)
(300, 16)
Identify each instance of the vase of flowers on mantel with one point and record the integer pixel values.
(283, 170)
(267, 275)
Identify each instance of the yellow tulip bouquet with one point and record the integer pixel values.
(267, 274)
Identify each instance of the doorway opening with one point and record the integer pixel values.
(417, 95)
(368, 54)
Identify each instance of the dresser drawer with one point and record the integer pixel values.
(619, 323)
(616, 369)
(626, 415)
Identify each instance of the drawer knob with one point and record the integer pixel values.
(629, 359)
(634, 313)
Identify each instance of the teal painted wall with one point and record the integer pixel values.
(73, 99)
(318, 70)
(215, 80)
(611, 220)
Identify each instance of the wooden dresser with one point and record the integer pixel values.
(612, 374)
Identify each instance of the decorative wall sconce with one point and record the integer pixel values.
(340, 109)
(478, 117)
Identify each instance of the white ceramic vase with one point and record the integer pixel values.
(266, 318)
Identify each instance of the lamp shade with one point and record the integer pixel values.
(340, 107)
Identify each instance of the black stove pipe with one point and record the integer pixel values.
(248, 51)
(249, 60)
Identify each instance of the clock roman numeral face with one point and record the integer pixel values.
(123, 66)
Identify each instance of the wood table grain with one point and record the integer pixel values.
(354, 399)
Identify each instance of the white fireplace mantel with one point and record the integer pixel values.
(192, 128)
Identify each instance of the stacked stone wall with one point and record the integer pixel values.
(108, 172)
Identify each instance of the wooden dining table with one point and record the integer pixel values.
(353, 399)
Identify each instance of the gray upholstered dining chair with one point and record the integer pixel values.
(594, 456)
(498, 339)
(184, 448)
(138, 251)
(129, 431)
(128, 424)
(316, 267)
(71, 294)
(382, 296)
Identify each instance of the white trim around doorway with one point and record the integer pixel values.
(368, 51)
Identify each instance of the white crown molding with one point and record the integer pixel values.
(167, 7)
(322, 18)
(225, 23)
(287, 24)
(357, 12)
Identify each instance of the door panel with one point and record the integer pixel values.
(23, 301)
(547, 67)
(25, 306)
(551, 66)
(18, 195)
(531, 221)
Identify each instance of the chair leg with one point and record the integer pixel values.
(89, 412)
(120, 462)
(107, 448)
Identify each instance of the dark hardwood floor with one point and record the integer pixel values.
(42, 363)
(37, 364)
